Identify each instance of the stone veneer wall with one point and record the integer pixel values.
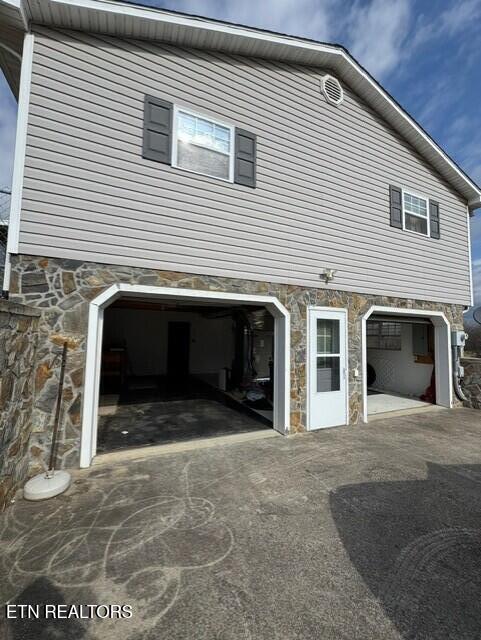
(62, 290)
(471, 384)
(18, 341)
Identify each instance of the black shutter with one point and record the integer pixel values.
(157, 142)
(396, 207)
(434, 219)
(245, 158)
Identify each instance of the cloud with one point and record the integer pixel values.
(475, 171)
(377, 33)
(461, 15)
(8, 119)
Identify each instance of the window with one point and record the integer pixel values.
(384, 335)
(202, 145)
(328, 356)
(415, 213)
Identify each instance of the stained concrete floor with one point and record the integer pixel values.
(370, 532)
(146, 423)
(170, 411)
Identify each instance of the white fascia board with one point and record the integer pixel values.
(391, 108)
(162, 16)
(23, 13)
(20, 144)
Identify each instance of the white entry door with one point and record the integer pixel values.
(327, 368)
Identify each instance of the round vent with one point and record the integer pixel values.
(332, 90)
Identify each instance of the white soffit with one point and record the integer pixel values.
(133, 21)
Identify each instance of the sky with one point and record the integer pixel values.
(424, 52)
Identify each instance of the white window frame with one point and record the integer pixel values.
(410, 192)
(379, 335)
(204, 116)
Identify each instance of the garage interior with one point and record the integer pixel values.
(176, 370)
(400, 364)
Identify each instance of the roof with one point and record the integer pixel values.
(133, 21)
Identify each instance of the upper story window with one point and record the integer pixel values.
(415, 213)
(193, 142)
(202, 145)
(411, 212)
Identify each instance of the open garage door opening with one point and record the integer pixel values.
(401, 366)
(175, 370)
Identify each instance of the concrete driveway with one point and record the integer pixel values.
(360, 532)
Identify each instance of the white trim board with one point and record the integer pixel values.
(471, 288)
(20, 144)
(281, 420)
(442, 355)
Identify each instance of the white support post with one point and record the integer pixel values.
(20, 147)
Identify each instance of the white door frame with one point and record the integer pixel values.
(308, 352)
(442, 351)
(281, 418)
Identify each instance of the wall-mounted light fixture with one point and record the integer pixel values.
(328, 274)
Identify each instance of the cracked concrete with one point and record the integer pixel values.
(369, 532)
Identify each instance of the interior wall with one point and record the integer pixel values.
(145, 334)
(398, 371)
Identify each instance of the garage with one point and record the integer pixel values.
(406, 360)
(176, 365)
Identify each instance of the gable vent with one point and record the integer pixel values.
(332, 90)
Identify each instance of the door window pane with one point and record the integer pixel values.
(327, 336)
(328, 374)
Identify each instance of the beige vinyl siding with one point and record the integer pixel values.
(323, 175)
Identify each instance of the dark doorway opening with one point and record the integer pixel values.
(178, 349)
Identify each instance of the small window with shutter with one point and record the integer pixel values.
(412, 212)
(197, 143)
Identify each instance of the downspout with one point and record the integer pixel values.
(458, 340)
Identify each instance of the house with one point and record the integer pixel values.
(229, 227)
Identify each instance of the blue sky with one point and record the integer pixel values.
(424, 52)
